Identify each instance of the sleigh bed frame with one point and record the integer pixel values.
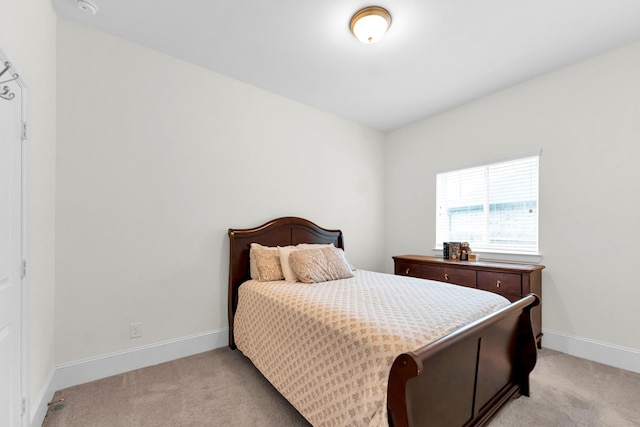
(462, 379)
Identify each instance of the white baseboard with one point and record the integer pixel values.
(95, 368)
(38, 408)
(608, 354)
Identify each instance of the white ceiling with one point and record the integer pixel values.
(438, 54)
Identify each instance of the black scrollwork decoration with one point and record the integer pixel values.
(5, 92)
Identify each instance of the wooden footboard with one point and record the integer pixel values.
(463, 378)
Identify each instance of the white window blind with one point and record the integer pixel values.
(494, 207)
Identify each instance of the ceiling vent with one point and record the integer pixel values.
(87, 6)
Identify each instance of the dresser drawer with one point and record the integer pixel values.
(457, 276)
(408, 269)
(502, 283)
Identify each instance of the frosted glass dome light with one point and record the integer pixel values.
(370, 24)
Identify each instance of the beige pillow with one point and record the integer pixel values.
(268, 264)
(319, 265)
(314, 245)
(253, 268)
(323, 245)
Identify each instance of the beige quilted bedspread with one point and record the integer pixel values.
(328, 347)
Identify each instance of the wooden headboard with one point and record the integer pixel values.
(278, 232)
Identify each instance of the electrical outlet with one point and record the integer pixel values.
(135, 330)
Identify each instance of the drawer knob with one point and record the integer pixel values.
(446, 276)
(497, 283)
(407, 271)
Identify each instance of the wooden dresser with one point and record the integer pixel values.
(511, 280)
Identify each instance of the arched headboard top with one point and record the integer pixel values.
(283, 231)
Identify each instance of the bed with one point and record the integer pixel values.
(460, 377)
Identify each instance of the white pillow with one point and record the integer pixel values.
(287, 271)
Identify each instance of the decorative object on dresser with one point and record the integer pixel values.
(511, 280)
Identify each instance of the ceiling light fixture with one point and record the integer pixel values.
(370, 24)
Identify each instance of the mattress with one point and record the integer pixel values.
(328, 347)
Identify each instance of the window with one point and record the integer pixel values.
(494, 207)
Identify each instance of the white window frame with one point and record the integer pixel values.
(487, 250)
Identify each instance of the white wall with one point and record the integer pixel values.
(585, 118)
(157, 158)
(28, 36)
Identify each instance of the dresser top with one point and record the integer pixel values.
(482, 265)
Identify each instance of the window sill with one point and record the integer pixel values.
(502, 256)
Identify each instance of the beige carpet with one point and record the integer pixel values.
(222, 388)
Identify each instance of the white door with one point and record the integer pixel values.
(10, 255)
